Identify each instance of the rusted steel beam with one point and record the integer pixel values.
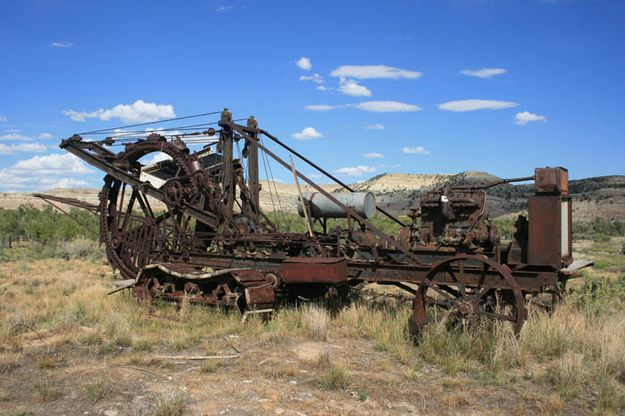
(252, 167)
(226, 143)
(74, 202)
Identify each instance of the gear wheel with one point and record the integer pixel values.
(133, 237)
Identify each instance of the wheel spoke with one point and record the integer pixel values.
(147, 211)
(459, 283)
(128, 212)
(482, 290)
(445, 294)
(121, 200)
(453, 292)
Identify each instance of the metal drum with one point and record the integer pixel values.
(322, 207)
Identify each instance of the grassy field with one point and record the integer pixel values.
(65, 348)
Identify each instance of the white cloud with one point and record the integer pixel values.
(483, 72)
(525, 117)
(376, 126)
(316, 78)
(160, 130)
(15, 135)
(355, 170)
(22, 147)
(304, 63)
(62, 45)
(472, 105)
(320, 107)
(351, 87)
(308, 133)
(386, 106)
(373, 155)
(44, 172)
(19, 182)
(30, 147)
(417, 150)
(372, 106)
(374, 71)
(223, 8)
(12, 182)
(69, 183)
(323, 88)
(137, 112)
(3, 118)
(52, 164)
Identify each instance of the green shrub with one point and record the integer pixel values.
(599, 296)
(599, 229)
(80, 248)
(45, 225)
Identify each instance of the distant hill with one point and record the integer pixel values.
(602, 196)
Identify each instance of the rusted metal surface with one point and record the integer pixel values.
(544, 248)
(314, 270)
(552, 180)
(190, 227)
(550, 210)
(259, 297)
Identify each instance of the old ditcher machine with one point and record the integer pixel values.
(190, 226)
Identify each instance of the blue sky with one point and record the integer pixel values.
(406, 86)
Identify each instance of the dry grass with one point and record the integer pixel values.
(10, 361)
(56, 302)
(45, 390)
(387, 327)
(568, 373)
(582, 349)
(98, 389)
(610, 398)
(315, 322)
(331, 375)
(171, 403)
(551, 405)
(573, 351)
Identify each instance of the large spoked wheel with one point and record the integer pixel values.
(469, 289)
(135, 229)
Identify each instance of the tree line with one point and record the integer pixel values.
(45, 225)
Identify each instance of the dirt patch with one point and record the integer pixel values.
(311, 351)
(262, 381)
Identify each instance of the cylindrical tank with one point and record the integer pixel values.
(321, 207)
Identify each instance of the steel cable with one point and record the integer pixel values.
(152, 122)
